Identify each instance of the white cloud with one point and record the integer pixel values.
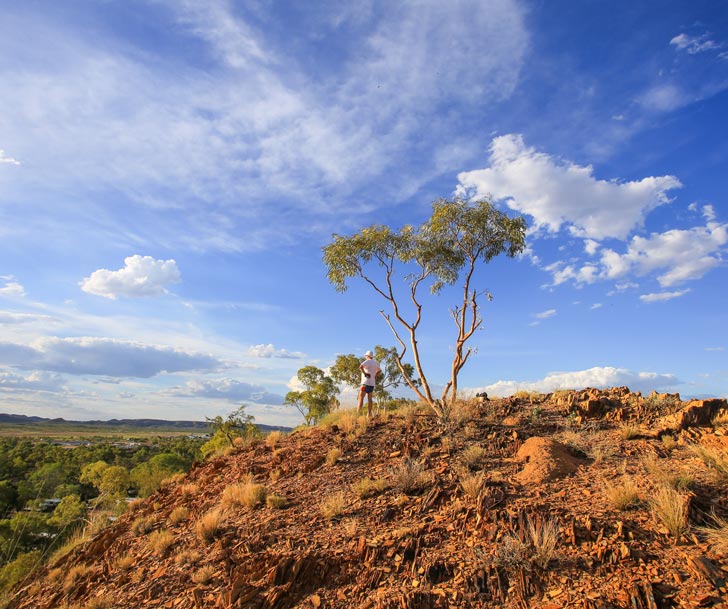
(684, 255)
(664, 97)
(11, 317)
(715, 348)
(141, 276)
(695, 44)
(269, 350)
(560, 193)
(591, 246)
(600, 377)
(709, 213)
(37, 381)
(227, 389)
(596, 305)
(103, 356)
(660, 296)
(545, 314)
(12, 289)
(7, 159)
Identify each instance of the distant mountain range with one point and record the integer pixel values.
(21, 419)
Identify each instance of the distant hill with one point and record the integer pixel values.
(21, 419)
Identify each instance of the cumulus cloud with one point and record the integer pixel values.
(563, 194)
(12, 288)
(660, 296)
(269, 350)
(226, 389)
(102, 356)
(695, 44)
(599, 377)
(141, 276)
(37, 381)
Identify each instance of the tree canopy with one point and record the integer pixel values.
(447, 248)
(318, 397)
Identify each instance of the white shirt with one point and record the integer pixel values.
(372, 367)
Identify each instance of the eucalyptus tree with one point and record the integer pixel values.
(446, 249)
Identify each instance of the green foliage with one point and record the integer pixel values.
(148, 477)
(17, 570)
(237, 424)
(452, 242)
(68, 513)
(318, 397)
(346, 370)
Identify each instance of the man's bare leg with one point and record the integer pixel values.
(360, 405)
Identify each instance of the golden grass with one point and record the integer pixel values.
(669, 442)
(544, 540)
(203, 575)
(208, 525)
(276, 501)
(179, 514)
(367, 487)
(474, 456)
(273, 438)
(74, 575)
(248, 494)
(409, 477)
(623, 495)
(189, 489)
(679, 481)
(143, 525)
(333, 456)
(601, 453)
(472, 484)
(629, 431)
(716, 460)
(332, 506)
(671, 509)
(124, 563)
(721, 418)
(717, 535)
(187, 558)
(275, 474)
(100, 602)
(160, 541)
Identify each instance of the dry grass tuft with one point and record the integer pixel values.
(275, 474)
(74, 575)
(601, 453)
(203, 575)
(472, 484)
(273, 438)
(474, 456)
(124, 563)
(511, 554)
(629, 431)
(333, 456)
(720, 418)
(669, 442)
(100, 602)
(623, 495)
(160, 541)
(332, 506)
(187, 558)
(248, 494)
(208, 525)
(544, 540)
(409, 477)
(682, 481)
(463, 411)
(369, 488)
(143, 525)
(717, 535)
(179, 514)
(276, 501)
(671, 509)
(714, 459)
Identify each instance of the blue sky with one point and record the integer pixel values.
(170, 169)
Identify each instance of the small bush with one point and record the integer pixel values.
(160, 541)
(671, 509)
(276, 501)
(143, 525)
(100, 602)
(474, 456)
(472, 484)
(409, 477)
(333, 506)
(623, 495)
(333, 456)
(187, 558)
(208, 525)
(511, 554)
(189, 489)
(246, 493)
(203, 575)
(369, 488)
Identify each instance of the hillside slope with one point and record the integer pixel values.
(419, 540)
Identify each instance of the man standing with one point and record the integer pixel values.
(369, 369)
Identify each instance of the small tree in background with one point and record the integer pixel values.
(319, 396)
(458, 235)
(238, 424)
(346, 370)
